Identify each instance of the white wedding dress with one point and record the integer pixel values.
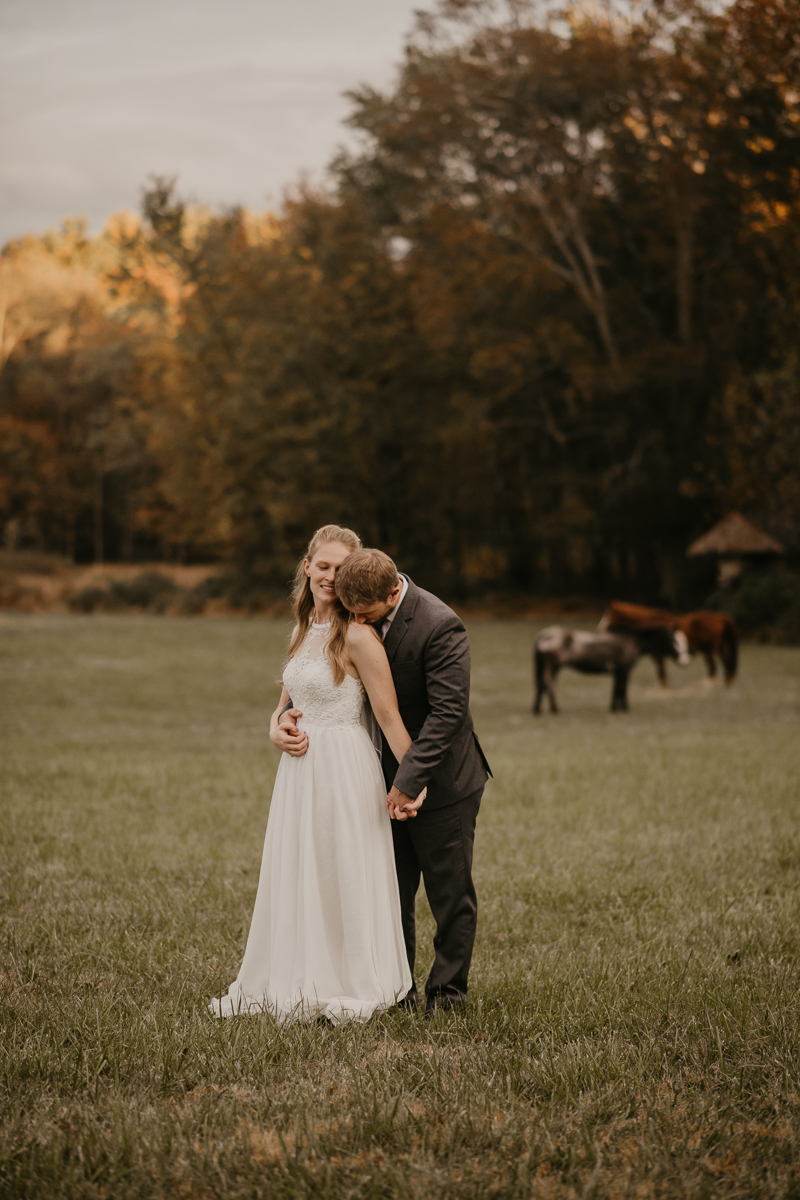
(326, 937)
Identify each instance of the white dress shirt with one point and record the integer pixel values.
(391, 616)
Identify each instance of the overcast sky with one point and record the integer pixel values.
(235, 97)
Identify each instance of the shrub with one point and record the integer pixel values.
(765, 603)
(150, 590)
(12, 592)
(240, 593)
(88, 599)
(155, 593)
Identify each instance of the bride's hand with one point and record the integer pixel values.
(401, 806)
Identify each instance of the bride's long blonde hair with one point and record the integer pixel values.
(303, 600)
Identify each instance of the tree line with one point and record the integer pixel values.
(540, 330)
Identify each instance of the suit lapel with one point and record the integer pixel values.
(399, 626)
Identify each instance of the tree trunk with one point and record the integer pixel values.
(98, 517)
(70, 536)
(127, 533)
(684, 268)
(580, 265)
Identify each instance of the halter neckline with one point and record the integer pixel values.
(320, 624)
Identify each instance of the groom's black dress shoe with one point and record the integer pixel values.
(444, 1002)
(409, 1002)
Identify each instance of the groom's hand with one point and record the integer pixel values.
(287, 737)
(401, 806)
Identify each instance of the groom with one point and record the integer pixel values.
(428, 653)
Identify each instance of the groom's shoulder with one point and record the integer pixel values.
(434, 611)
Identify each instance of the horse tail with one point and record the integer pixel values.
(729, 649)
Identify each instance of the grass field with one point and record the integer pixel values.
(633, 1027)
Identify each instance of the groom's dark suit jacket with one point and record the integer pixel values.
(428, 653)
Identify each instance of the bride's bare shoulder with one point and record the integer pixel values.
(361, 635)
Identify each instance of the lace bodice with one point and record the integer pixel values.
(309, 680)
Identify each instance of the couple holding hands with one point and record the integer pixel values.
(373, 716)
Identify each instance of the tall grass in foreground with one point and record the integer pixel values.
(633, 1022)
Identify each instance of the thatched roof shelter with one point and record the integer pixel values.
(735, 537)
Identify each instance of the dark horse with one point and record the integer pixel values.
(708, 633)
(599, 654)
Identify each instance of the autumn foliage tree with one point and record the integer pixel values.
(539, 333)
(642, 177)
(71, 441)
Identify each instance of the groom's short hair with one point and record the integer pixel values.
(365, 577)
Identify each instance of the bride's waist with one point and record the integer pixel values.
(307, 723)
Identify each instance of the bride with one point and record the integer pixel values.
(326, 938)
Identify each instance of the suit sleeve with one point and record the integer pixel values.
(447, 669)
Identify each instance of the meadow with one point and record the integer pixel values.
(633, 1026)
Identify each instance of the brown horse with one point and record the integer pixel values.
(708, 633)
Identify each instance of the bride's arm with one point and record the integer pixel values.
(369, 659)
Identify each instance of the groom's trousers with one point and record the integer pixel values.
(437, 845)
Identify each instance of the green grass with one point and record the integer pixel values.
(633, 1022)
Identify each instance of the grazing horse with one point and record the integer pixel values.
(708, 633)
(599, 654)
